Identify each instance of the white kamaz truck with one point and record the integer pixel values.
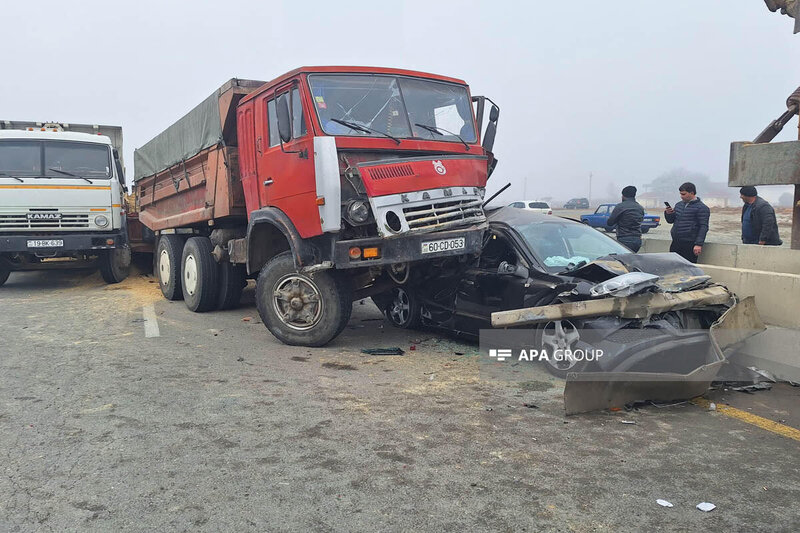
(61, 198)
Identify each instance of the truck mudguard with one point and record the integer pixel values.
(264, 232)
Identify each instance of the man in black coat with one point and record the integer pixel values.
(759, 225)
(628, 216)
(689, 219)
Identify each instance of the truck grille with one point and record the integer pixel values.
(20, 221)
(453, 212)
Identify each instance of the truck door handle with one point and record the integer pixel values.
(268, 182)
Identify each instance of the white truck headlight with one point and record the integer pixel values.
(101, 221)
(358, 211)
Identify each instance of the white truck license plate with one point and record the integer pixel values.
(52, 243)
(445, 245)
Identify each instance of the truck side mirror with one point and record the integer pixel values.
(120, 172)
(491, 128)
(284, 122)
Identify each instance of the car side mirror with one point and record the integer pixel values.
(509, 269)
(284, 122)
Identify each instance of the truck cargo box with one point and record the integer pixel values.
(189, 173)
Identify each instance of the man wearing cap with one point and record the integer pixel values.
(759, 225)
(628, 216)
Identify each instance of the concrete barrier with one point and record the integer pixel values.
(749, 256)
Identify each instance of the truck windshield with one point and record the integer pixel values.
(393, 105)
(55, 159)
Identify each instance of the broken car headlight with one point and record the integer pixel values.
(358, 211)
(625, 284)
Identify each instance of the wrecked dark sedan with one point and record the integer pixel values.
(574, 289)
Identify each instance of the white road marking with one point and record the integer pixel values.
(150, 321)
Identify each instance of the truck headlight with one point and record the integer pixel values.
(101, 221)
(358, 211)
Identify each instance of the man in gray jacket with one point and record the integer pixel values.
(759, 225)
(628, 216)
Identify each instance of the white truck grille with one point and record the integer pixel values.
(30, 220)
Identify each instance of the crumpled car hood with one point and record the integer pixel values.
(676, 273)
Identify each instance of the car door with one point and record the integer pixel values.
(286, 172)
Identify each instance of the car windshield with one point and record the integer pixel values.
(560, 246)
(393, 105)
(55, 159)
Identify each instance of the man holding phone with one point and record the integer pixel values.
(689, 219)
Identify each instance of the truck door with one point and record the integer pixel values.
(286, 173)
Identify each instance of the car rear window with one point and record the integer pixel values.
(538, 205)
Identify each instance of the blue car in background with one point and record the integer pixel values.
(600, 216)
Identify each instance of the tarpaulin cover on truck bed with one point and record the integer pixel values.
(199, 129)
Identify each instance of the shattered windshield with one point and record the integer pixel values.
(562, 246)
(55, 159)
(389, 105)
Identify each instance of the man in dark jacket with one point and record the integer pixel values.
(689, 221)
(628, 216)
(759, 225)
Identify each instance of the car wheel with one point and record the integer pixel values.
(302, 309)
(403, 310)
(555, 338)
(168, 266)
(115, 264)
(199, 275)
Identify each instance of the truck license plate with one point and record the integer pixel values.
(445, 245)
(52, 243)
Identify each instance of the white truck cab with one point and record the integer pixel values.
(61, 198)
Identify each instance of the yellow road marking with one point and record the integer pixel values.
(95, 187)
(750, 418)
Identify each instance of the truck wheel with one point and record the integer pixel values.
(645, 230)
(115, 264)
(199, 275)
(168, 266)
(300, 309)
(231, 282)
(403, 310)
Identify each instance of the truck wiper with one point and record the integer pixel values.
(365, 129)
(10, 176)
(438, 130)
(70, 174)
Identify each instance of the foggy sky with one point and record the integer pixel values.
(625, 90)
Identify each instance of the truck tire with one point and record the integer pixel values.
(199, 275)
(115, 264)
(231, 282)
(168, 266)
(300, 309)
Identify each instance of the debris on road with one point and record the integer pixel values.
(383, 351)
(750, 389)
(664, 503)
(530, 406)
(631, 422)
(712, 406)
(706, 507)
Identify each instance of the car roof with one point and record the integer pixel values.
(512, 216)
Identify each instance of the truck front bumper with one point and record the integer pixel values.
(409, 248)
(72, 242)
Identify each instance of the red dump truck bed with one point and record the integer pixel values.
(189, 174)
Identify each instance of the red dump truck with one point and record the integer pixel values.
(327, 184)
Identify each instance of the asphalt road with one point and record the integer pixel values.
(209, 424)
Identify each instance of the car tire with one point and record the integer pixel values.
(570, 336)
(115, 264)
(4, 273)
(167, 266)
(232, 280)
(302, 309)
(403, 309)
(199, 275)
